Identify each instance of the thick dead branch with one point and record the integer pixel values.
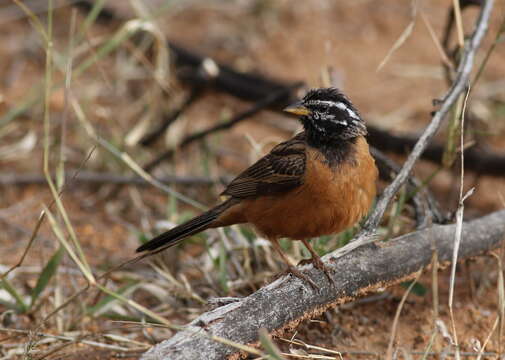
(287, 301)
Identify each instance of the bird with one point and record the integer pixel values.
(320, 182)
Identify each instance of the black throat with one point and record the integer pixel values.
(335, 150)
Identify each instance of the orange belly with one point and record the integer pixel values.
(328, 202)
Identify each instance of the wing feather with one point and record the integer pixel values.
(280, 170)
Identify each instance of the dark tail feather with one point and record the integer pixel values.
(179, 233)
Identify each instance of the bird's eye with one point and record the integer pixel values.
(316, 115)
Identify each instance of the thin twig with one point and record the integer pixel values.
(464, 70)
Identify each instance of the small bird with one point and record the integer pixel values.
(320, 182)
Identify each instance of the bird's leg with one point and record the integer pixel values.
(317, 262)
(291, 269)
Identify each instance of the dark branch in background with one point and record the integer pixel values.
(480, 161)
(426, 208)
(96, 178)
(287, 301)
(246, 86)
(169, 118)
(253, 87)
(273, 98)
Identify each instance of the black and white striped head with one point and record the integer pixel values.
(327, 114)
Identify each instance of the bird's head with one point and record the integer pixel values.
(328, 115)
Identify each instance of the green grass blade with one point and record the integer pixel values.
(46, 275)
(223, 273)
(92, 310)
(90, 19)
(270, 348)
(32, 99)
(20, 304)
(417, 289)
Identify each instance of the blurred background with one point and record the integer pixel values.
(146, 109)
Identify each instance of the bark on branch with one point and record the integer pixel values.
(287, 301)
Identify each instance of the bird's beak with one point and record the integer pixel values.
(297, 108)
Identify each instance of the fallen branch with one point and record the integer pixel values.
(287, 301)
(481, 161)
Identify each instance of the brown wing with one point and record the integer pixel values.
(280, 170)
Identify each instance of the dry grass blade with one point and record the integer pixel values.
(389, 352)
(82, 262)
(76, 339)
(311, 356)
(127, 158)
(430, 344)
(459, 24)
(37, 24)
(86, 271)
(493, 329)
(501, 299)
(403, 37)
(135, 305)
(313, 347)
(271, 349)
(60, 171)
(122, 35)
(437, 43)
(28, 246)
(459, 224)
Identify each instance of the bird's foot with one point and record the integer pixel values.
(295, 272)
(304, 262)
(318, 264)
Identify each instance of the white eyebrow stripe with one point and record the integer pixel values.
(352, 114)
(340, 105)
